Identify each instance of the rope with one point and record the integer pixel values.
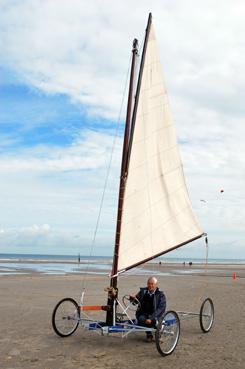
(206, 242)
(107, 177)
(206, 261)
(204, 284)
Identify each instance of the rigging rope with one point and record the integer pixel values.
(206, 261)
(202, 294)
(107, 176)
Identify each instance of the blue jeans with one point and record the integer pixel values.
(141, 321)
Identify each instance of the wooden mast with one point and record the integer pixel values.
(127, 143)
(113, 283)
(147, 31)
(124, 166)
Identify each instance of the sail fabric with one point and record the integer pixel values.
(157, 215)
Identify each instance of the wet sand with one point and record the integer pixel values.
(28, 341)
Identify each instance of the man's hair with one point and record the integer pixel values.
(152, 279)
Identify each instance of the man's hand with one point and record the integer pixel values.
(148, 321)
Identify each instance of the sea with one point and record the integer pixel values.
(11, 264)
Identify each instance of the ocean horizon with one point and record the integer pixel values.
(104, 258)
(19, 263)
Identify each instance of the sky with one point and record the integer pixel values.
(63, 72)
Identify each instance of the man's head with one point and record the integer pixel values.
(152, 284)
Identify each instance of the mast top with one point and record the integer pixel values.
(135, 44)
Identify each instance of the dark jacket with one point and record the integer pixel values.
(159, 303)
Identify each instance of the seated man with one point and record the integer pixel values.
(152, 305)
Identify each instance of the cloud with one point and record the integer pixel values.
(35, 229)
(51, 47)
(60, 188)
(44, 240)
(82, 50)
(90, 150)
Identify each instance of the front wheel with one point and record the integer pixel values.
(167, 333)
(65, 317)
(206, 316)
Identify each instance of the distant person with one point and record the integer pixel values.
(152, 305)
(190, 263)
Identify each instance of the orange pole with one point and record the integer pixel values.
(93, 307)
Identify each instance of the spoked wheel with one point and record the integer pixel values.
(167, 333)
(206, 316)
(65, 317)
(130, 303)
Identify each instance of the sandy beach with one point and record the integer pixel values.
(28, 341)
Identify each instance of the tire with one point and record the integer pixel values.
(167, 333)
(206, 316)
(65, 317)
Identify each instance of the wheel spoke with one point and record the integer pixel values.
(167, 334)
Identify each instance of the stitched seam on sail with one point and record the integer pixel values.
(161, 226)
(154, 203)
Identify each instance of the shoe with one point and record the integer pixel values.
(149, 338)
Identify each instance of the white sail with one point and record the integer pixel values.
(157, 215)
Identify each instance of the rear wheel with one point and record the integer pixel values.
(65, 317)
(167, 333)
(206, 316)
